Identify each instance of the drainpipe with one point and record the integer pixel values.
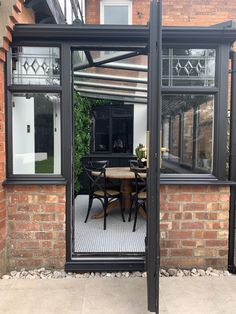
(232, 166)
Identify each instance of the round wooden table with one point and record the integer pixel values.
(126, 176)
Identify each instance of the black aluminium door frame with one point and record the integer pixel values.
(154, 127)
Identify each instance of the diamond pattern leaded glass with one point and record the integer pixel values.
(188, 67)
(36, 65)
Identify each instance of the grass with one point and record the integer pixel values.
(45, 166)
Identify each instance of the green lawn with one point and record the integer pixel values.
(45, 166)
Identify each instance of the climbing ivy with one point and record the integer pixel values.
(82, 132)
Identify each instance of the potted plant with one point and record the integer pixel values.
(141, 153)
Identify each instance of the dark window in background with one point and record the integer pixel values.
(113, 129)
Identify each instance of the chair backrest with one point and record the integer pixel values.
(96, 172)
(140, 179)
(133, 164)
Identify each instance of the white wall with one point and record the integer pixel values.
(140, 124)
(23, 141)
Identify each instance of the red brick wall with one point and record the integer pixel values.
(194, 226)
(2, 174)
(175, 12)
(36, 226)
(17, 14)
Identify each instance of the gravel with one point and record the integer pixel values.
(42, 273)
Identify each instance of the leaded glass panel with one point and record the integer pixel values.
(36, 65)
(188, 67)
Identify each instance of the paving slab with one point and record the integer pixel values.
(187, 295)
(201, 295)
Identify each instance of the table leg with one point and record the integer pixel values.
(126, 190)
(114, 204)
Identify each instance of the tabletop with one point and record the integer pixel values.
(121, 173)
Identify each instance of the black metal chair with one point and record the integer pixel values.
(133, 164)
(139, 196)
(96, 172)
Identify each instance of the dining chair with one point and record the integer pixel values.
(139, 196)
(96, 172)
(133, 164)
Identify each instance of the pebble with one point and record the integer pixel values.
(43, 273)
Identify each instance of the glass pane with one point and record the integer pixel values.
(107, 55)
(175, 138)
(188, 67)
(36, 124)
(79, 58)
(36, 65)
(204, 140)
(122, 135)
(191, 133)
(101, 130)
(188, 137)
(116, 14)
(165, 139)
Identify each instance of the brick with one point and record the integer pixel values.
(180, 234)
(181, 252)
(169, 243)
(194, 207)
(181, 198)
(192, 225)
(27, 245)
(44, 235)
(191, 243)
(208, 197)
(170, 207)
(212, 243)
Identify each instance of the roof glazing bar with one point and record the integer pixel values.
(110, 86)
(110, 77)
(125, 66)
(127, 100)
(92, 91)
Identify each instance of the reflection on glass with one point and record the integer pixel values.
(101, 129)
(188, 67)
(106, 55)
(37, 134)
(165, 137)
(189, 119)
(188, 136)
(175, 144)
(36, 65)
(204, 140)
(79, 58)
(122, 135)
(113, 128)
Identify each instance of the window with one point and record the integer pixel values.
(189, 108)
(112, 129)
(189, 121)
(35, 111)
(116, 12)
(36, 65)
(188, 67)
(36, 133)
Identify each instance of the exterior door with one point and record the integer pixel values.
(154, 121)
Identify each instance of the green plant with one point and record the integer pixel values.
(140, 151)
(82, 136)
(82, 132)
